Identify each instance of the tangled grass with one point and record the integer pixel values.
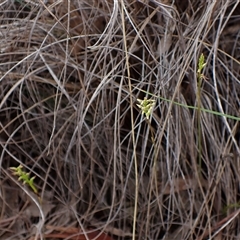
(70, 76)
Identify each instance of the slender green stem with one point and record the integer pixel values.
(192, 107)
(201, 65)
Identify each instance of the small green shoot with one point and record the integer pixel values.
(201, 65)
(146, 106)
(231, 206)
(24, 177)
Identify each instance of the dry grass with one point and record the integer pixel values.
(69, 78)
